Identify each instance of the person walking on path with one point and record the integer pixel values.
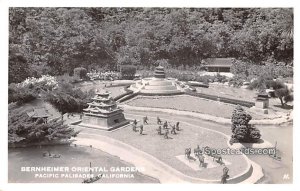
(141, 129)
(166, 134)
(159, 121)
(159, 130)
(165, 126)
(177, 126)
(173, 131)
(145, 120)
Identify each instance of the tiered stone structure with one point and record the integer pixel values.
(159, 72)
(157, 85)
(103, 113)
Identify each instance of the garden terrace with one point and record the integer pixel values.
(190, 103)
(168, 150)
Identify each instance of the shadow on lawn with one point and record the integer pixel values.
(286, 107)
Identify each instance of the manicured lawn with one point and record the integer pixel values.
(166, 150)
(191, 103)
(115, 91)
(185, 103)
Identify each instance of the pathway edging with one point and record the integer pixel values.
(205, 117)
(155, 167)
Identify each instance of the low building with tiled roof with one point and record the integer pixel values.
(217, 64)
(39, 113)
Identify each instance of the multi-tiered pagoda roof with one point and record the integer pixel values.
(103, 113)
(159, 72)
(102, 104)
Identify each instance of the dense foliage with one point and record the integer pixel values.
(80, 73)
(56, 40)
(20, 95)
(22, 130)
(258, 75)
(67, 99)
(242, 131)
(281, 91)
(128, 72)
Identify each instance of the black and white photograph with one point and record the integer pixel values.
(156, 95)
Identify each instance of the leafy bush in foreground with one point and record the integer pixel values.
(242, 131)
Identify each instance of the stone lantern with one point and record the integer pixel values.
(262, 102)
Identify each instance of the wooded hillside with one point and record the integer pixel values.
(56, 40)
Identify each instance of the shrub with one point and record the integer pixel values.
(45, 83)
(80, 73)
(22, 130)
(236, 81)
(240, 69)
(67, 99)
(108, 75)
(260, 83)
(242, 131)
(288, 98)
(247, 71)
(219, 78)
(281, 91)
(128, 72)
(20, 95)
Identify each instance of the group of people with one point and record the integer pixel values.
(164, 125)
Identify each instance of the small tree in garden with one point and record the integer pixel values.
(22, 130)
(242, 131)
(67, 99)
(281, 91)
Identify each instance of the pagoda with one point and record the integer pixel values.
(157, 85)
(103, 113)
(159, 72)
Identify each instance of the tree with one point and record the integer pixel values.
(281, 91)
(67, 99)
(128, 71)
(242, 131)
(22, 130)
(21, 95)
(17, 67)
(57, 40)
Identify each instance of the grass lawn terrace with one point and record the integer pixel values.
(191, 103)
(115, 90)
(167, 150)
(185, 103)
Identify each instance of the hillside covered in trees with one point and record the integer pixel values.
(56, 40)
